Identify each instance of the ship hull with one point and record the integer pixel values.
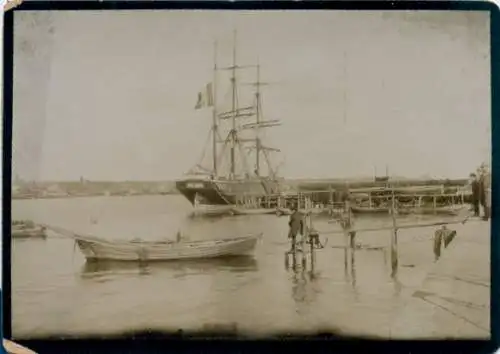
(206, 191)
(224, 192)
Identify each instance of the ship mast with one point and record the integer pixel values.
(234, 110)
(345, 87)
(214, 113)
(233, 139)
(260, 124)
(257, 121)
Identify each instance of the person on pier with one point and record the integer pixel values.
(296, 225)
(485, 191)
(476, 193)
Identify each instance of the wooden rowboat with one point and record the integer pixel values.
(212, 210)
(165, 250)
(252, 211)
(95, 248)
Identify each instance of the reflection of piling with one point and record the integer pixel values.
(394, 238)
(311, 247)
(347, 223)
(353, 267)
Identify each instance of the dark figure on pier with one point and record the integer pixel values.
(296, 225)
(476, 193)
(485, 190)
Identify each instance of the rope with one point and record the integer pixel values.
(204, 151)
(221, 195)
(243, 157)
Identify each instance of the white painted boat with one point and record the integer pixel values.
(252, 211)
(213, 210)
(95, 248)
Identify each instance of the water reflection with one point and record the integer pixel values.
(304, 285)
(353, 268)
(95, 269)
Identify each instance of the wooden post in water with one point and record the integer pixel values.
(394, 238)
(434, 203)
(309, 238)
(352, 240)
(303, 247)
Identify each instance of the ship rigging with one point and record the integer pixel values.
(242, 138)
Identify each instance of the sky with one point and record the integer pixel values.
(110, 95)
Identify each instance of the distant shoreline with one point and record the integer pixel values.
(92, 196)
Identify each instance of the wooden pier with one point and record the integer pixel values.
(415, 200)
(346, 222)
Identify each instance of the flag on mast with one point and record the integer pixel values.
(205, 97)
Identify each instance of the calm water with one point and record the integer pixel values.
(54, 292)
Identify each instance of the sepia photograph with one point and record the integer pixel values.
(251, 173)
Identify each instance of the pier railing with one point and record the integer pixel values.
(359, 198)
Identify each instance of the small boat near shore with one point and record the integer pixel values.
(96, 248)
(212, 210)
(99, 249)
(27, 229)
(251, 211)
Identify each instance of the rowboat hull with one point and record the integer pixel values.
(94, 249)
(212, 210)
(256, 211)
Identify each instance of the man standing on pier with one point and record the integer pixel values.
(476, 192)
(485, 191)
(296, 225)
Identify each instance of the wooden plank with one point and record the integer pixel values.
(398, 227)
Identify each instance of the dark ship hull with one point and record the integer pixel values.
(225, 192)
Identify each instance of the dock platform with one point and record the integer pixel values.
(453, 301)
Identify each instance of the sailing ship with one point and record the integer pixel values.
(236, 133)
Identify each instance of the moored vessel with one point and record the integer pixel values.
(241, 172)
(96, 248)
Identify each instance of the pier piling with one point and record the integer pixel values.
(438, 241)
